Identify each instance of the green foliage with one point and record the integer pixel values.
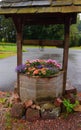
(8, 123)
(3, 100)
(69, 106)
(7, 30)
(74, 35)
(43, 32)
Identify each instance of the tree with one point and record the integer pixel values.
(75, 33)
(43, 32)
(74, 37)
(7, 30)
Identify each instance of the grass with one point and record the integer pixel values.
(76, 48)
(6, 54)
(8, 123)
(8, 49)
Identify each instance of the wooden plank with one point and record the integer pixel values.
(58, 43)
(40, 10)
(77, 2)
(54, 18)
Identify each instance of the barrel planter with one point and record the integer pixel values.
(37, 88)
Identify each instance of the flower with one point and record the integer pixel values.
(41, 68)
(21, 68)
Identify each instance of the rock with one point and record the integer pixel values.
(77, 108)
(32, 114)
(17, 110)
(51, 113)
(78, 97)
(47, 106)
(38, 107)
(70, 88)
(14, 98)
(28, 103)
(58, 102)
(33, 106)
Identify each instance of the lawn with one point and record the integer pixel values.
(8, 49)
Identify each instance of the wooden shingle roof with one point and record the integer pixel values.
(39, 6)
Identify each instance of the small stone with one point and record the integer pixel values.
(47, 106)
(78, 97)
(70, 89)
(32, 114)
(28, 103)
(38, 107)
(14, 98)
(77, 108)
(51, 113)
(33, 106)
(57, 102)
(17, 110)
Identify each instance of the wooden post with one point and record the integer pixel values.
(19, 26)
(19, 57)
(65, 53)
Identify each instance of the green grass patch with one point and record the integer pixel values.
(6, 54)
(9, 49)
(76, 48)
(8, 123)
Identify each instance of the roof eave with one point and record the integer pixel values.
(31, 10)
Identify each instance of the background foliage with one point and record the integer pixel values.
(56, 32)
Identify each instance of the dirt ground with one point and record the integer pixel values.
(70, 122)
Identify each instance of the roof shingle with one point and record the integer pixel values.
(41, 5)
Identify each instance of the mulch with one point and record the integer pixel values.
(70, 122)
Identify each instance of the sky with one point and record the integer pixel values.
(80, 15)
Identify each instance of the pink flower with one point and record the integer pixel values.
(50, 61)
(54, 61)
(58, 66)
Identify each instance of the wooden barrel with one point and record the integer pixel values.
(37, 88)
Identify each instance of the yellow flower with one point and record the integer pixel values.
(43, 71)
(29, 69)
(32, 69)
(28, 73)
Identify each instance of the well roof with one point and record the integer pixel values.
(39, 6)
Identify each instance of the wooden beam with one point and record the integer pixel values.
(19, 26)
(58, 43)
(46, 19)
(65, 53)
(43, 19)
